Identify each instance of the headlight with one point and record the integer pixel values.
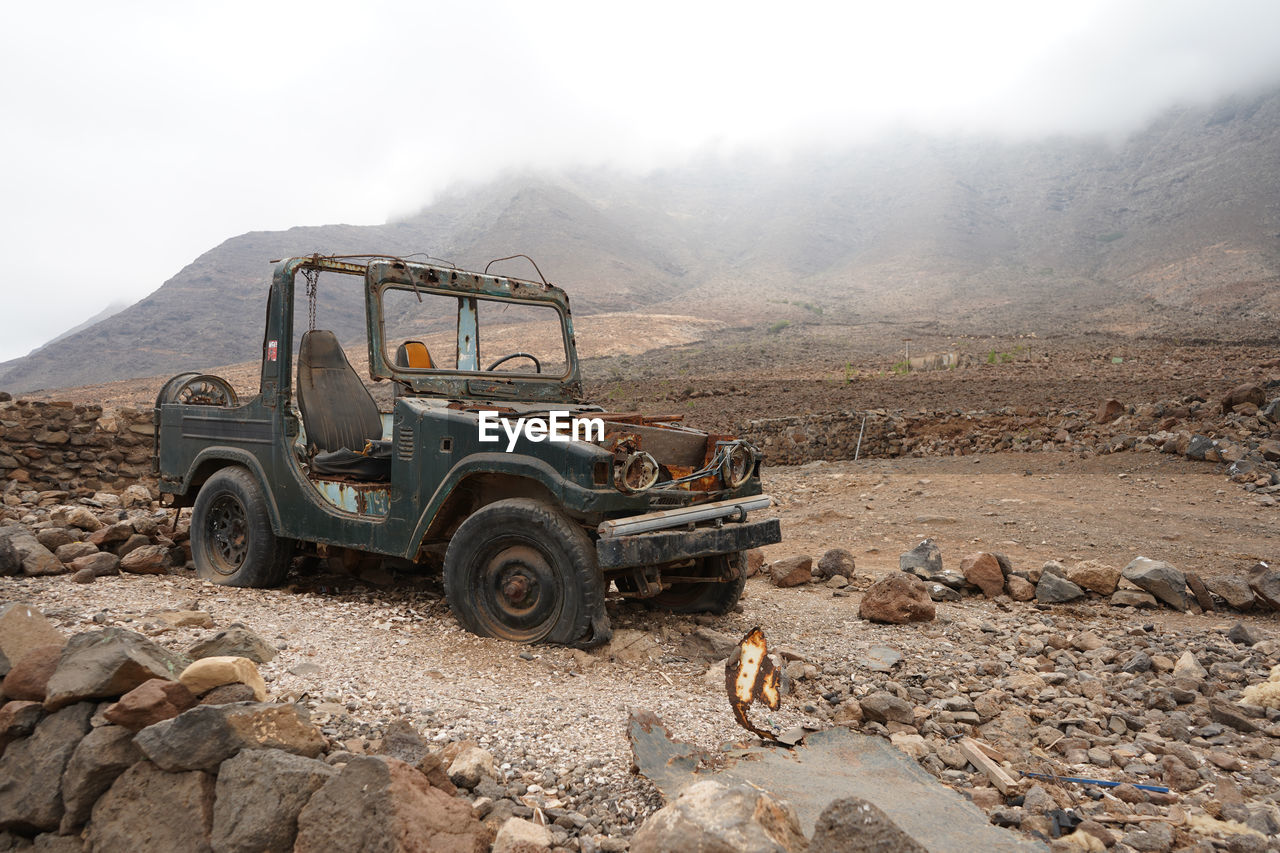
(738, 464)
(637, 473)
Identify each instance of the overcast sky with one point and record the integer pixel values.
(137, 135)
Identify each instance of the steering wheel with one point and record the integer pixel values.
(536, 364)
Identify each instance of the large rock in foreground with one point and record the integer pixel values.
(853, 825)
(712, 816)
(31, 771)
(108, 663)
(207, 735)
(150, 811)
(259, 795)
(897, 599)
(384, 804)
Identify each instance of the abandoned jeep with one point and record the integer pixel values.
(488, 463)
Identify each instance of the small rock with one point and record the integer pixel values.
(853, 825)
(100, 564)
(1133, 598)
(521, 836)
(1265, 583)
(1189, 668)
(881, 658)
(883, 707)
(1242, 635)
(228, 694)
(207, 673)
(1094, 576)
(29, 677)
(186, 618)
(1020, 589)
(235, 641)
(1108, 411)
(472, 765)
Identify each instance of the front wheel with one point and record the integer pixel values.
(520, 570)
(232, 542)
(715, 596)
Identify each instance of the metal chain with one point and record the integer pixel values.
(312, 276)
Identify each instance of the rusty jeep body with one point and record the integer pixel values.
(530, 530)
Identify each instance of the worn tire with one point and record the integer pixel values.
(716, 598)
(520, 570)
(232, 542)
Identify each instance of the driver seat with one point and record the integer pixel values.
(343, 423)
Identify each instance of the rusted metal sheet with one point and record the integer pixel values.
(750, 676)
(827, 766)
(369, 499)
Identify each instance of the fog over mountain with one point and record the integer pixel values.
(1172, 230)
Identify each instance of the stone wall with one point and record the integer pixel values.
(62, 450)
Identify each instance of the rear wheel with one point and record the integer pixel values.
(714, 596)
(232, 542)
(520, 570)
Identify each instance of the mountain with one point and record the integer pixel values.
(1174, 230)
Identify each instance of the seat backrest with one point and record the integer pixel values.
(414, 355)
(337, 411)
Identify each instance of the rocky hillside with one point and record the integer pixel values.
(1174, 231)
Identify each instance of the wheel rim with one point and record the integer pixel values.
(518, 592)
(227, 530)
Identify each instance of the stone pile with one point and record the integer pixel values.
(104, 534)
(1143, 583)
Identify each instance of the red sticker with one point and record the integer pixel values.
(271, 350)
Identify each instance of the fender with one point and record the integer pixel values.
(506, 464)
(236, 456)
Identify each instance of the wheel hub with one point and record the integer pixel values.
(228, 534)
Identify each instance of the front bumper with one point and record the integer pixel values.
(666, 546)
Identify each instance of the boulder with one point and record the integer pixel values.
(54, 538)
(924, 560)
(150, 702)
(1133, 598)
(1160, 579)
(791, 571)
(853, 825)
(1053, 589)
(99, 759)
(10, 562)
(112, 534)
(18, 718)
(75, 550)
(32, 767)
(1241, 394)
(228, 694)
(207, 673)
(983, 571)
(470, 766)
(147, 810)
(883, 707)
(384, 804)
(1235, 591)
(100, 564)
(27, 553)
(1108, 411)
(518, 835)
(205, 736)
(1020, 589)
(1265, 583)
(235, 641)
(713, 816)
(146, 560)
(836, 561)
(259, 794)
(82, 518)
(29, 677)
(135, 496)
(897, 599)
(1094, 576)
(22, 628)
(108, 663)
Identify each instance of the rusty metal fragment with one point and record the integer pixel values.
(750, 676)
